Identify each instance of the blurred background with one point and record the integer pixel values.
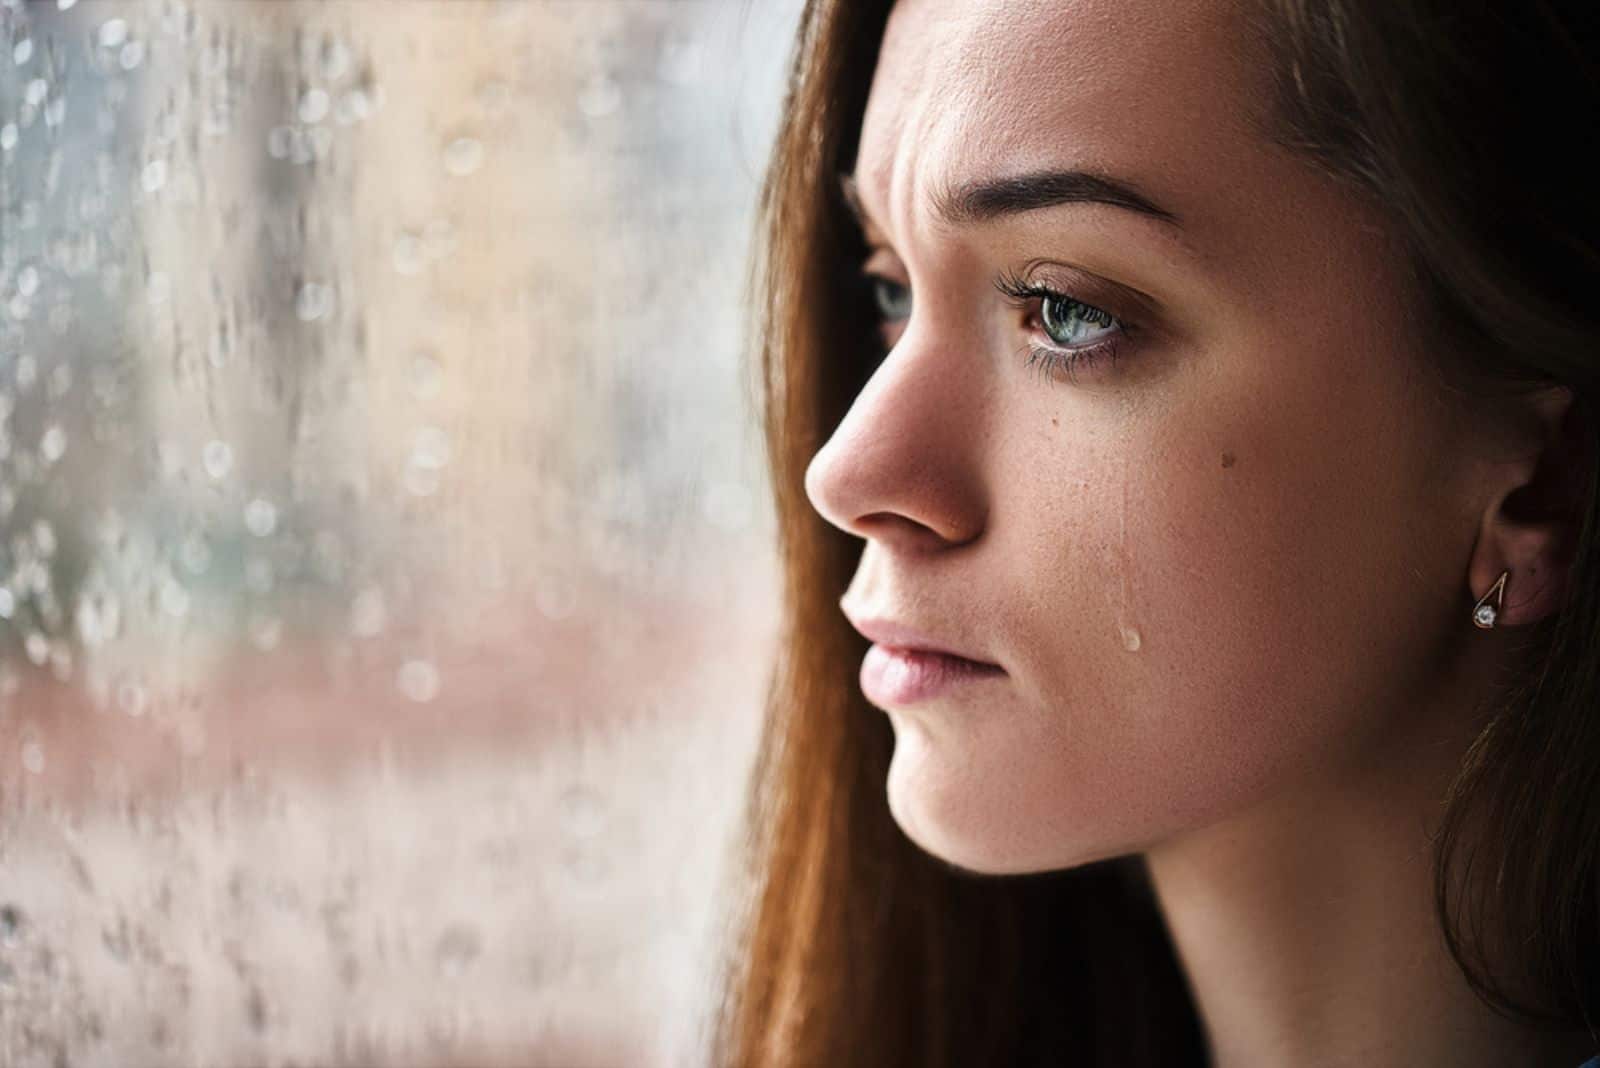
(387, 585)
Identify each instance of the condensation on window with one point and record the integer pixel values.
(386, 577)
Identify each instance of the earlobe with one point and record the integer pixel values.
(1529, 531)
(1534, 561)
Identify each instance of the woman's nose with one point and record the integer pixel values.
(904, 464)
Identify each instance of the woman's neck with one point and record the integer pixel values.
(1307, 930)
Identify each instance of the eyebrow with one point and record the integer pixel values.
(988, 199)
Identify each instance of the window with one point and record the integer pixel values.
(384, 554)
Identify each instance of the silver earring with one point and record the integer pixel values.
(1484, 613)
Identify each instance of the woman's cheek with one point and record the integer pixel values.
(1177, 648)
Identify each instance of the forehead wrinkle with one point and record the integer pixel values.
(1146, 90)
(936, 114)
(953, 79)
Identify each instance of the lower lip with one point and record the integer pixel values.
(895, 676)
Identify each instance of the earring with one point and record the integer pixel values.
(1484, 613)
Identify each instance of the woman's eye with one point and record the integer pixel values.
(893, 300)
(1071, 323)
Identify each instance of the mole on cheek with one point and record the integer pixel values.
(1227, 459)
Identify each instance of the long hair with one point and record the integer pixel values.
(851, 946)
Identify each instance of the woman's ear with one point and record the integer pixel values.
(1531, 524)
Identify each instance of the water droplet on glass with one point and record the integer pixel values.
(33, 757)
(61, 660)
(311, 301)
(64, 5)
(37, 646)
(132, 55)
(28, 280)
(1130, 639)
(217, 458)
(335, 59)
(367, 613)
(53, 444)
(313, 106)
(174, 598)
(320, 140)
(132, 698)
(300, 148)
(353, 107)
(683, 61)
(8, 603)
(261, 517)
(160, 288)
(60, 382)
(418, 680)
(26, 371)
(266, 632)
(35, 577)
(22, 51)
(154, 175)
(112, 33)
(44, 537)
(431, 448)
(8, 136)
(408, 254)
(99, 617)
(463, 156)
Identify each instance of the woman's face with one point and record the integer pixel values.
(1222, 567)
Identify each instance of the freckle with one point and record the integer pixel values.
(1227, 459)
(1054, 421)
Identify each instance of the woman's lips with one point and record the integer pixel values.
(894, 675)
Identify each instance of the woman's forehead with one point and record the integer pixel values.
(1157, 90)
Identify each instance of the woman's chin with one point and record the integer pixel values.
(963, 812)
(942, 807)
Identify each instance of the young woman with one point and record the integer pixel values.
(1181, 423)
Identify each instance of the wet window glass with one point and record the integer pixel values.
(386, 572)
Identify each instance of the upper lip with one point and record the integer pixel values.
(886, 631)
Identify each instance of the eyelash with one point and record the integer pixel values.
(1051, 358)
(1047, 358)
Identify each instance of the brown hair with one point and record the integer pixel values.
(853, 946)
